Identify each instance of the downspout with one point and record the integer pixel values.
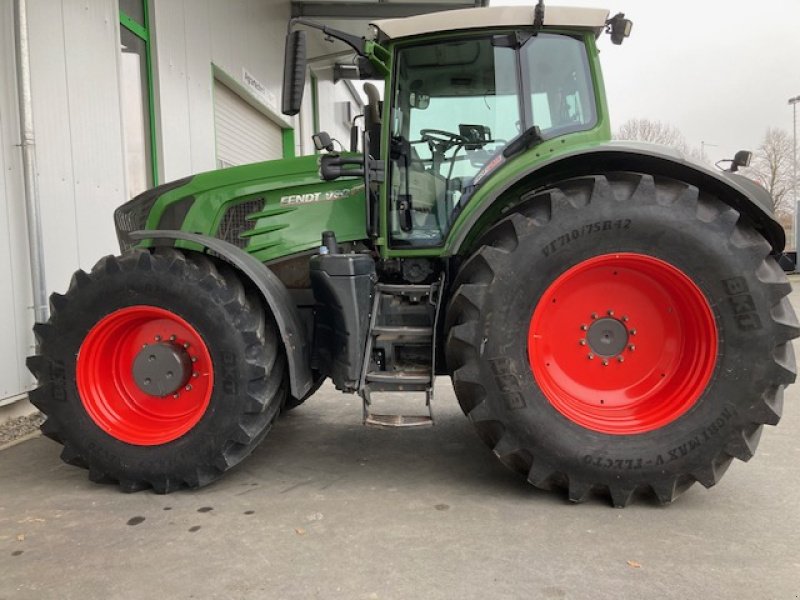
(32, 209)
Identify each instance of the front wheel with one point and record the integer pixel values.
(158, 370)
(621, 334)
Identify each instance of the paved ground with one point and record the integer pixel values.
(328, 509)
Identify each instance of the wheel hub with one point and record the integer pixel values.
(144, 375)
(161, 369)
(644, 345)
(607, 337)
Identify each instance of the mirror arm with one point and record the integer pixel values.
(356, 43)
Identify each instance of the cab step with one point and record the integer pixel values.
(399, 377)
(402, 331)
(397, 421)
(401, 358)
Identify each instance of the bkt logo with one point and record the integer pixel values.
(317, 196)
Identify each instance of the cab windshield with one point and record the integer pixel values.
(459, 103)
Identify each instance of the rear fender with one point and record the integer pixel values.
(272, 290)
(751, 200)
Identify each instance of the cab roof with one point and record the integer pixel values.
(568, 17)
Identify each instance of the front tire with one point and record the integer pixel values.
(158, 370)
(621, 334)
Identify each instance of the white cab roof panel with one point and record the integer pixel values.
(493, 16)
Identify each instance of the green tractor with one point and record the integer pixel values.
(612, 315)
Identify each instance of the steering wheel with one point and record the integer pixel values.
(443, 140)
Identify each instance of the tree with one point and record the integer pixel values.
(772, 168)
(656, 132)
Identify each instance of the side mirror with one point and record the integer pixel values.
(294, 72)
(742, 159)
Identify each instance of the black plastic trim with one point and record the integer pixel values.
(133, 215)
(275, 294)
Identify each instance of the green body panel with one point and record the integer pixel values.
(298, 206)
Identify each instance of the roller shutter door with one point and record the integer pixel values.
(244, 134)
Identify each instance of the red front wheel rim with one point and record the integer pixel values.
(623, 343)
(114, 395)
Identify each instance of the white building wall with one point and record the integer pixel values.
(79, 146)
(16, 313)
(196, 40)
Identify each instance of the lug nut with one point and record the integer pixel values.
(582, 342)
(632, 332)
(584, 327)
(195, 374)
(185, 344)
(590, 356)
(194, 359)
(624, 318)
(188, 388)
(621, 358)
(175, 395)
(610, 313)
(631, 347)
(172, 338)
(594, 315)
(158, 338)
(604, 363)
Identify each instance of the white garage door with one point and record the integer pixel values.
(244, 134)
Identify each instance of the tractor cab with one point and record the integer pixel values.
(462, 98)
(458, 105)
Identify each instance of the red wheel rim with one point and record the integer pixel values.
(110, 393)
(622, 343)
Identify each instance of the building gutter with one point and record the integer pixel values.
(32, 208)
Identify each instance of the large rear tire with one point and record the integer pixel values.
(158, 370)
(621, 334)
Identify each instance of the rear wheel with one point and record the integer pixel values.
(158, 370)
(621, 334)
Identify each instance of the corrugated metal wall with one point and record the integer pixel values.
(16, 316)
(193, 35)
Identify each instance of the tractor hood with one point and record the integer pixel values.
(270, 209)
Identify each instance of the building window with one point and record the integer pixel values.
(137, 97)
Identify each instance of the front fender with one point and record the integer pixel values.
(747, 197)
(272, 290)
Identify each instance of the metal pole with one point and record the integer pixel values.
(32, 209)
(793, 102)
